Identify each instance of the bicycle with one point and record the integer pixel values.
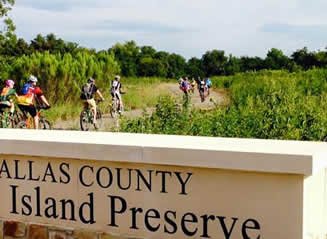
(8, 120)
(27, 120)
(86, 118)
(115, 107)
(202, 95)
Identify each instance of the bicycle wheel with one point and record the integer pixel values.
(6, 120)
(21, 125)
(202, 96)
(2, 121)
(99, 118)
(113, 110)
(16, 118)
(85, 120)
(44, 124)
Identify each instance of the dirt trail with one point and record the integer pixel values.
(216, 97)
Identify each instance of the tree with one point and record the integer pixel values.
(151, 67)
(163, 57)
(276, 60)
(5, 7)
(251, 63)
(214, 62)
(194, 67)
(7, 36)
(233, 65)
(177, 65)
(127, 55)
(321, 58)
(38, 43)
(147, 51)
(304, 58)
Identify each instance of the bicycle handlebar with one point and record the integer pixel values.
(42, 107)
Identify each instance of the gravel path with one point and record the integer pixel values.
(216, 97)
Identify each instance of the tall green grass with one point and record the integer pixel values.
(266, 104)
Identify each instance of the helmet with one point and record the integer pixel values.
(9, 83)
(32, 78)
(90, 80)
(117, 77)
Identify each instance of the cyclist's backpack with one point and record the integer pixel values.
(86, 92)
(26, 89)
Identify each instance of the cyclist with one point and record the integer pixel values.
(6, 96)
(208, 84)
(193, 83)
(30, 97)
(88, 92)
(184, 85)
(116, 92)
(202, 88)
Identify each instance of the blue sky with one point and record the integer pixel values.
(186, 27)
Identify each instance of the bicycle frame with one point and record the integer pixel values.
(115, 106)
(86, 116)
(5, 120)
(28, 121)
(8, 120)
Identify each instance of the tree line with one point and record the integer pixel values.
(142, 61)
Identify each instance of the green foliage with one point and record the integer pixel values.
(5, 6)
(167, 118)
(276, 60)
(267, 104)
(61, 76)
(214, 62)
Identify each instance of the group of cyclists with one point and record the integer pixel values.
(188, 86)
(30, 98)
(27, 99)
(89, 90)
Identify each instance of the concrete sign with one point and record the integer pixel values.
(150, 186)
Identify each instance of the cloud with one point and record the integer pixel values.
(313, 36)
(53, 5)
(296, 30)
(187, 27)
(137, 27)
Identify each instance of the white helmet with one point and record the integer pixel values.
(32, 78)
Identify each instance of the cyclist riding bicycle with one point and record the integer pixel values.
(193, 83)
(116, 92)
(87, 96)
(202, 88)
(6, 96)
(184, 85)
(208, 84)
(31, 97)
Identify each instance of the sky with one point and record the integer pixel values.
(186, 27)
